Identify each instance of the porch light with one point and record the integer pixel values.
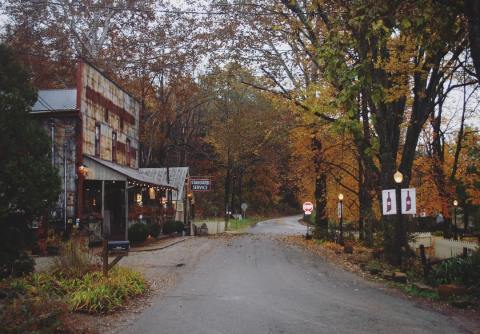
(151, 193)
(83, 169)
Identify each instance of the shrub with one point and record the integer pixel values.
(97, 294)
(461, 270)
(179, 227)
(91, 293)
(171, 227)
(34, 315)
(74, 259)
(154, 229)
(137, 233)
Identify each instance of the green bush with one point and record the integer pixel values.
(97, 294)
(173, 226)
(137, 233)
(91, 293)
(154, 229)
(179, 227)
(460, 270)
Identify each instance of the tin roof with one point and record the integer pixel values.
(177, 176)
(56, 100)
(132, 174)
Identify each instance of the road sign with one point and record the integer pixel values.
(244, 206)
(308, 208)
(409, 201)
(200, 184)
(389, 202)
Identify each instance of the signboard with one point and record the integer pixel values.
(409, 201)
(308, 208)
(200, 184)
(389, 202)
(244, 206)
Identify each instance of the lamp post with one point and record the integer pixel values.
(340, 198)
(455, 231)
(398, 177)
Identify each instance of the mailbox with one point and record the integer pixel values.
(118, 246)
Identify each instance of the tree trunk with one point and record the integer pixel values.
(472, 12)
(232, 199)
(227, 190)
(321, 218)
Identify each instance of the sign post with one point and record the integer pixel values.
(244, 207)
(308, 209)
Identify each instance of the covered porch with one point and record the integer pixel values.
(116, 196)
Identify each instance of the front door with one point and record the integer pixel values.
(115, 203)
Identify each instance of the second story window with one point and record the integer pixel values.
(128, 151)
(114, 146)
(97, 140)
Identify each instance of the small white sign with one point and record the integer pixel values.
(389, 202)
(409, 202)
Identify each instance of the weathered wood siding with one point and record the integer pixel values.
(105, 103)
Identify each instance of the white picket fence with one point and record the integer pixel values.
(447, 248)
(424, 238)
(443, 248)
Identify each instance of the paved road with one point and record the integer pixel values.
(254, 284)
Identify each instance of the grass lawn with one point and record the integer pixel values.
(241, 225)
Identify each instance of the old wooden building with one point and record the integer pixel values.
(94, 129)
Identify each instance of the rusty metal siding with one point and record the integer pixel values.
(99, 97)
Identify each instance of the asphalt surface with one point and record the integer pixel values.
(255, 284)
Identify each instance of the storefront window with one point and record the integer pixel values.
(93, 197)
(114, 146)
(97, 140)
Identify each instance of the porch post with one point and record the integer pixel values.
(126, 209)
(103, 199)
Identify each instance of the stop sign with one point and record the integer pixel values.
(308, 207)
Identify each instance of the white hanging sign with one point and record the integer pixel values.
(389, 202)
(409, 201)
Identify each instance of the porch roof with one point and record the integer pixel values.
(131, 174)
(177, 175)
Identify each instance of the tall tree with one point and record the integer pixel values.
(29, 184)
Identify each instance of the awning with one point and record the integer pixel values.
(133, 175)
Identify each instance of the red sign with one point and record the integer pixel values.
(308, 208)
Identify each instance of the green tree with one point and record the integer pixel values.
(28, 182)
